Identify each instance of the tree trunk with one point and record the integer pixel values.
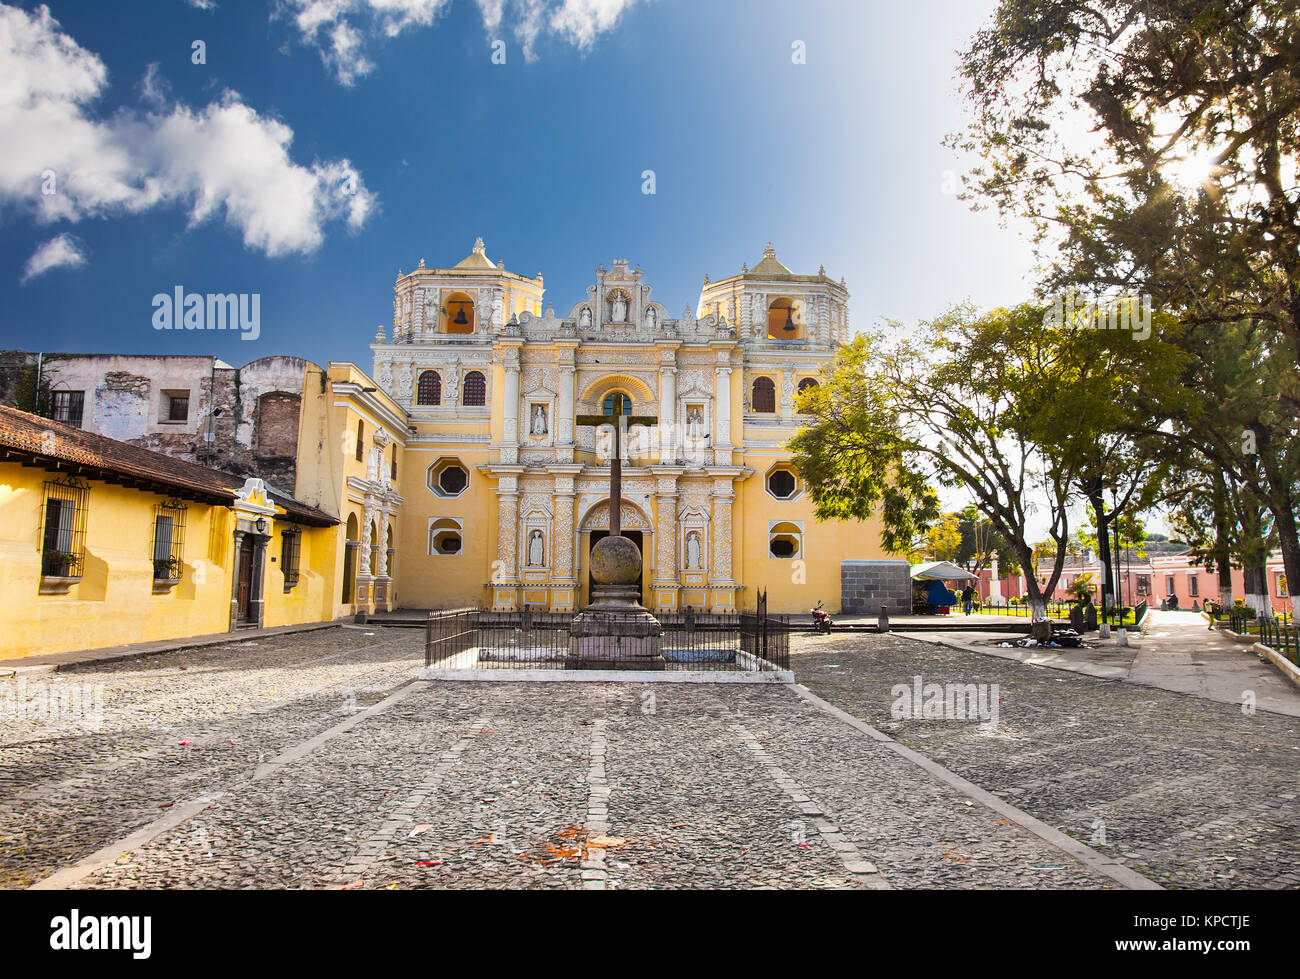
(1288, 537)
(1222, 542)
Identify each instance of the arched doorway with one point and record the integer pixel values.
(350, 561)
(594, 526)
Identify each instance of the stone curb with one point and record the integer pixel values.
(1284, 665)
(605, 676)
(1085, 855)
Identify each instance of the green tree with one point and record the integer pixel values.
(941, 407)
(1154, 148)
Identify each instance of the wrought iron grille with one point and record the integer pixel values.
(290, 553)
(691, 640)
(63, 529)
(168, 540)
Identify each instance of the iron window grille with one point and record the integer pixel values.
(63, 532)
(68, 407)
(168, 540)
(178, 408)
(290, 552)
(429, 390)
(475, 389)
(764, 395)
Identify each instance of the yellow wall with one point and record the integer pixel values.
(114, 603)
(312, 599)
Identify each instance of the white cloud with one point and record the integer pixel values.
(59, 252)
(342, 30)
(66, 164)
(203, 4)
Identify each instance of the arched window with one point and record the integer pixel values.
(617, 404)
(458, 314)
(430, 389)
(784, 321)
(807, 384)
(764, 395)
(475, 389)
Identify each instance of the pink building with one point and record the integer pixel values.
(1158, 576)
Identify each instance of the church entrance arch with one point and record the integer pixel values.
(595, 525)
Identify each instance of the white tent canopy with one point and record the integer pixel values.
(941, 571)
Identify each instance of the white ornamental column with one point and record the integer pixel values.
(510, 408)
(667, 415)
(722, 416)
(995, 583)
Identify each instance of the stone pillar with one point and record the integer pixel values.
(505, 575)
(366, 542)
(564, 412)
(722, 416)
(382, 543)
(510, 427)
(995, 582)
(665, 583)
(724, 496)
(667, 415)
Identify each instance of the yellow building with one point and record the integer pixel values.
(104, 543)
(471, 469)
(505, 480)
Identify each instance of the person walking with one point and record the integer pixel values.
(967, 598)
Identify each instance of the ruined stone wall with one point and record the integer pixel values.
(240, 420)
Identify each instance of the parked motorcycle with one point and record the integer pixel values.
(821, 621)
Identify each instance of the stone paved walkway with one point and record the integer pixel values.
(1190, 791)
(1175, 652)
(313, 761)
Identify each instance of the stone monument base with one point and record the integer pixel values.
(616, 632)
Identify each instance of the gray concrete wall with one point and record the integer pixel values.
(867, 585)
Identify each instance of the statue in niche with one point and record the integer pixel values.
(536, 549)
(584, 317)
(692, 550)
(539, 420)
(619, 309)
(650, 318)
(694, 421)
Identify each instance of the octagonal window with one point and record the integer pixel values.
(448, 477)
(782, 482)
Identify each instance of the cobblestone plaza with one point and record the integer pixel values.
(315, 760)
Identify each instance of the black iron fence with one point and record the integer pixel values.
(1055, 609)
(1277, 635)
(687, 640)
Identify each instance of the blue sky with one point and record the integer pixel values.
(325, 144)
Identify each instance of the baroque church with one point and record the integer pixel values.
(509, 417)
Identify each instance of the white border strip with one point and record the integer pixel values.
(509, 675)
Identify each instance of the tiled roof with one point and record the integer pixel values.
(35, 440)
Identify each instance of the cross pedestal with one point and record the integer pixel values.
(616, 630)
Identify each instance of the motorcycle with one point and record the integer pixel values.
(821, 621)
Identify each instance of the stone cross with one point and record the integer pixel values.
(616, 462)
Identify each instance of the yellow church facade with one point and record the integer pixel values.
(169, 497)
(509, 413)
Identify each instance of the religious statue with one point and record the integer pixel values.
(692, 550)
(620, 309)
(536, 549)
(539, 420)
(694, 421)
(584, 317)
(650, 316)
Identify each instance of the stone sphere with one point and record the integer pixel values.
(616, 561)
